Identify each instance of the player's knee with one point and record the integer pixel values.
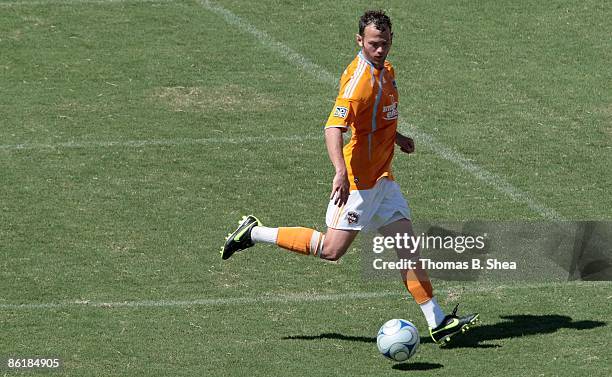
(333, 253)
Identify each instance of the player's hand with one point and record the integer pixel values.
(405, 143)
(340, 189)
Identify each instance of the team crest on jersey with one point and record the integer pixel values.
(340, 112)
(352, 217)
(390, 111)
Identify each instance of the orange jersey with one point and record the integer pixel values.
(367, 104)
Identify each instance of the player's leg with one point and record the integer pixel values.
(396, 211)
(330, 246)
(343, 224)
(301, 240)
(441, 327)
(416, 280)
(337, 242)
(250, 231)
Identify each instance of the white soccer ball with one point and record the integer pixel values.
(398, 340)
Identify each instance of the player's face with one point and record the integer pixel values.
(375, 44)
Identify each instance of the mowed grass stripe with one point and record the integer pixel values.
(445, 152)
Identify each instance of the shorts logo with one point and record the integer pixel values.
(352, 217)
(340, 112)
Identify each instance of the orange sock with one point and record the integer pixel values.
(418, 284)
(300, 240)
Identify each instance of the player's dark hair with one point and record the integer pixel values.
(378, 18)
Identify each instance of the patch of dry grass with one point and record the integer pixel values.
(225, 98)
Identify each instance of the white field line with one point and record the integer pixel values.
(482, 174)
(286, 299)
(322, 75)
(229, 301)
(74, 2)
(162, 142)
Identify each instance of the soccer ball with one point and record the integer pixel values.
(398, 340)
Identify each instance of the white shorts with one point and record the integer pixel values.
(369, 209)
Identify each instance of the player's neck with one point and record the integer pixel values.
(363, 56)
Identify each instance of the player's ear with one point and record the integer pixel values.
(359, 40)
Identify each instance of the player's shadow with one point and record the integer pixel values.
(365, 339)
(519, 325)
(512, 326)
(332, 335)
(417, 366)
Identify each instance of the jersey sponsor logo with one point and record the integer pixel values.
(352, 217)
(340, 112)
(390, 112)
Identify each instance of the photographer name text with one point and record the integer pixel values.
(428, 264)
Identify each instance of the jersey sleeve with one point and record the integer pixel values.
(345, 108)
(342, 114)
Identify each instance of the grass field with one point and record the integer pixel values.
(134, 134)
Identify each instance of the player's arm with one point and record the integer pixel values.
(405, 143)
(339, 121)
(340, 184)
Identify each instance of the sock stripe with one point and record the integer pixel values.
(315, 242)
(318, 245)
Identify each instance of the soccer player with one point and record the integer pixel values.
(364, 195)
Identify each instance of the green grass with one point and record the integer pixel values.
(521, 89)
